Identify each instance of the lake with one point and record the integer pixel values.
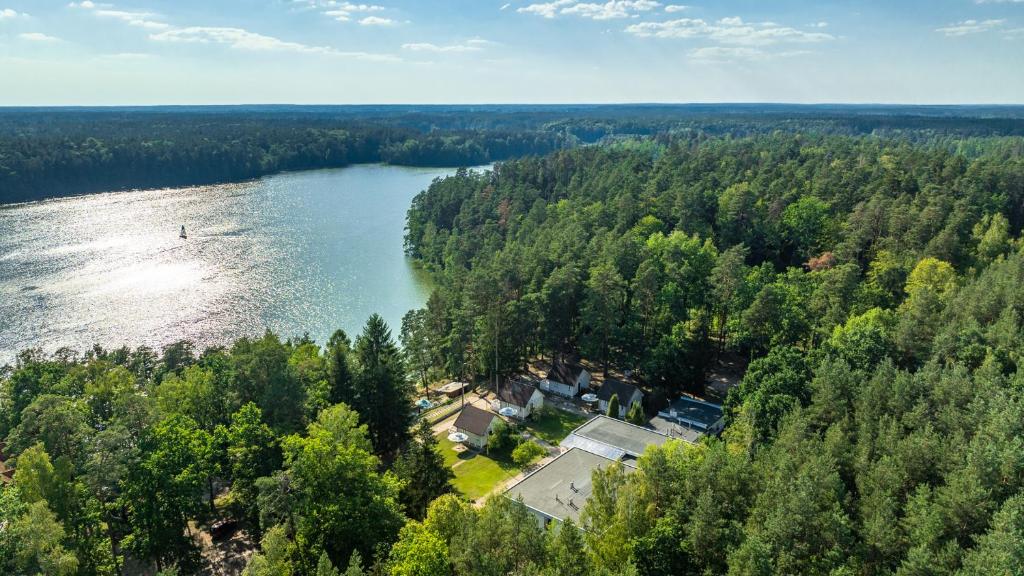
(296, 252)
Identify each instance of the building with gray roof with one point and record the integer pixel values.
(627, 394)
(700, 415)
(559, 490)
(613, 438)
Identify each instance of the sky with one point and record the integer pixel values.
(142, 52)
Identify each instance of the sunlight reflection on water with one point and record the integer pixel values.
(309, 251)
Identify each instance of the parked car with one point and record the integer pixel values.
(221, 529)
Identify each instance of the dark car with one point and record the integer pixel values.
(223, 528)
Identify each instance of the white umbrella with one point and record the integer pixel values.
(508, 411)
(589, 397)
(458, 437)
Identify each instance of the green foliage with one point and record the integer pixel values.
(193, 394)
(601, 311)
(503, 439)
(992, 234)
(418, 552)
(526, 452)
(252, 454)
(808, 226)
(324, 567)
(164, 489)
(423, 472)
(636, 415)
(613, 406)
(864, 340)
(931, 275)
(999, 550)
(566, 551)
(264, 377)
(38, 538)
(382, 391)
(339, 500)
(772, 386)
(275, 557)
(502, 539)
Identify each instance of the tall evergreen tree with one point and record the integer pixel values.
(383, 392)
(422, 468)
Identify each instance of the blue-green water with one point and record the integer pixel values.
(298, 252)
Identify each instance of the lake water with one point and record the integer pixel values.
(297, 252)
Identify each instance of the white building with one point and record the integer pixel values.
(565, 379)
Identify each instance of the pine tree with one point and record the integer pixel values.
(423, 469)
(566, 552)
(355, 565)
(324, 566)
(384, 400)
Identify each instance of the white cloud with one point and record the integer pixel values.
(8, 14)
(547, 10)
(377, 21)
(471, 45)
(970, 27)
(505, 6)
(147, 20)
(38, 37)
(344, 11)
(734, 31)
(240, 39)
(139, 19)
(610, 10)
(676, 8)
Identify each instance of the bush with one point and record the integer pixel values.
(503, 439)
(527, 452)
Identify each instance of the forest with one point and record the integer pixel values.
(870, 281)
(52, 152)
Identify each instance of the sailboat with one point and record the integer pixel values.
(183, 235)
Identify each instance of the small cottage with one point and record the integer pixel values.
(627, 393)
(565, 379)
(477, 424)
(525, 398)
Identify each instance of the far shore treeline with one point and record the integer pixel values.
(52, 152)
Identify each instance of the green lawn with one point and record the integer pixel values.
(555, 425)
(476, 473)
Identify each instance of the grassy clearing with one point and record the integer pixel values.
(476, 474)
(554, 425)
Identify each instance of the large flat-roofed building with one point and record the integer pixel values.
(558, 490)
(613, 439)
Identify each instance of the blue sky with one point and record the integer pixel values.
(89, 52)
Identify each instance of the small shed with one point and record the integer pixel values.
(454, 389)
